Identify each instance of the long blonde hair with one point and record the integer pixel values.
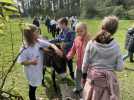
(84, 26)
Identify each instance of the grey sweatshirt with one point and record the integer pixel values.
(106, 56)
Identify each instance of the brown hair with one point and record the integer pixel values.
(63, 21)
(109, 27)
(110, 24)
(30, 35)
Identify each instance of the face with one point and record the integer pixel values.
(35, 35)
(80, 31)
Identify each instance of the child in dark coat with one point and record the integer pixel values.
(129, 44)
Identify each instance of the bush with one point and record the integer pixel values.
(119, 11)
(105, 11)
(131, 14)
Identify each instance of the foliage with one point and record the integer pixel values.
(81, 8)
(119, 11)
(7, 8)
(131, 13)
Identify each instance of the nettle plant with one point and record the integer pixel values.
(8, 8)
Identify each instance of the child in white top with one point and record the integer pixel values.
(32, 58)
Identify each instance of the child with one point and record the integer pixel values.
(66, 38)
(102, 56)
(78, 48)
(129, 45)
(32, 58)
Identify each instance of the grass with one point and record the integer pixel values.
(17, 79)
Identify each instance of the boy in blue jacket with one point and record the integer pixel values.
(66, 38)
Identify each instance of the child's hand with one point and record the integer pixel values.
(33, 62)
(63, 45)
(59, 52)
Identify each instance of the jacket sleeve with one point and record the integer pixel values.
(86, 59)
(69, 39)
(120, 62)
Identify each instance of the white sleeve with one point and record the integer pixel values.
(23, 56)
(44, 43)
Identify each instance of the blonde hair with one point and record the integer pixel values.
(80, 24)
(84, 26)
(29, 34)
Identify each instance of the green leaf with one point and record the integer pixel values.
(7, 2)
(11, 8)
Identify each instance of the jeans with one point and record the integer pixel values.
(70, 65)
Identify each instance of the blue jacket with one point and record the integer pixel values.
(67, 36)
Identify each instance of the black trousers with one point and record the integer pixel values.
(70, 66)
(32, 90)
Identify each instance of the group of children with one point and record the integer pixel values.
(96, 58)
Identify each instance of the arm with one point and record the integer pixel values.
(29, 62)
(24, 60)
(119, 63)
(46, 44)
(57, 50)
(72, 52)
(86, 59)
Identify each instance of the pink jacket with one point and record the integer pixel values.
(78, 48)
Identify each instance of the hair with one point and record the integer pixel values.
(84, 26)
(80, 24)
(110, 24)
(109, 27)
(63, 21)
(29, 34)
